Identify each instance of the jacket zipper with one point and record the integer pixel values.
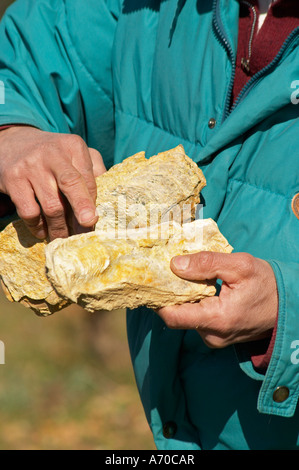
(246, 62)
(220, 31)
(244, 92)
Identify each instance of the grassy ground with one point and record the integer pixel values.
(67, 383)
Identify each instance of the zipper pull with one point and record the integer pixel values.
(245, 63)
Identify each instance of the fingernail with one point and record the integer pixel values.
(181, 263)
(87, 216)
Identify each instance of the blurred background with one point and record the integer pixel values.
(67, 382)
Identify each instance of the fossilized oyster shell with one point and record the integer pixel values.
(100, 272)
(22, 270)
(117, 265)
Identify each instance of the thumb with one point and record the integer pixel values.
(97, 162)
(207, 265)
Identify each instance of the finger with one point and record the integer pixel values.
(28, 209)
(74, 228)
(73, 186)
(97, 162)
(229, 267)
(200, 315)
(207, 318)
(81, 160)
(90, 166)
(53, 208)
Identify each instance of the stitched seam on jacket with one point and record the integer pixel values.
(239, 181)
(197, 144)
(283, 409)
(287, 408)
(89, 74)
(277, 348)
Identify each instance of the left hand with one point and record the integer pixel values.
(246, 309)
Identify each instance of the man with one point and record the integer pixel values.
(127, 76)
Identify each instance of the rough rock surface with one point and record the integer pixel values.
(139, 192)
(22, 271)
(100, 272)
(118, 265)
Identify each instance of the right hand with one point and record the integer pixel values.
(46, 174)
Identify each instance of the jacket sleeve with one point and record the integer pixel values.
(47, 77)
(279, 390)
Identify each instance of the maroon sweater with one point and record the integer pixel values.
(282, 19)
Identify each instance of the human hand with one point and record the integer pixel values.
(246, 308)
(47, 174)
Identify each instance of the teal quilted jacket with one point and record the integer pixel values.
(148, 75)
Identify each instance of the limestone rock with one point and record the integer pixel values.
(117, 265)
(22, 270)
(139, 192)
(100, 272)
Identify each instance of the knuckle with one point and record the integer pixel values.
(92, 189)
(172, 323)
(53, 209)
(75, 141)
(83, 204)
(89, 180)
(29, 214)
(245, 264)
(14, 173)
(58, 232)
(205, 259)
(69, 179)
(33, 159)
(96, 157)
(214, 342)
(169, 318)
